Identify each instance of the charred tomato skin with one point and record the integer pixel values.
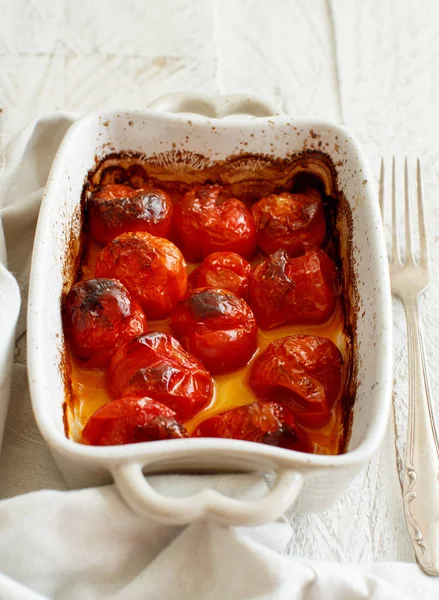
(267, 423)
(301, 372)
(286, 221)
(301, 290)
(117, 209)
(217, 327)
(99, 315)
(132, 420)
(157, 365)
(152, 268)
(225, 270)
(209, 219)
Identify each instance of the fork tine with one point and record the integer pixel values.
(381, 192)
(395, 256)
(421, 220)
(409, 258)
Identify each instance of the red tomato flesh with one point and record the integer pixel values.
(156, 365)
(285, 221)
(132, 420)
(225, 270)
(209, 219)
(301, 372)
(217, 327)
(99, 315)
(294, 290)
(152, 268)
(117, 209)
(266, 423)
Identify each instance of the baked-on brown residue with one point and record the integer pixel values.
(73, 257)
(248, 177)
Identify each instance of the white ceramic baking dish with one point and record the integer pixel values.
(315, 481)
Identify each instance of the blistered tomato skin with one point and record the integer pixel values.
(217, 327)
(99, 315)
(157, 365)
(132, 420)
(225, 270)
(208, 219)
(117, 209)
(300, 290)
(152, 268)
(301, 372)
(266, 423)
(285, 221)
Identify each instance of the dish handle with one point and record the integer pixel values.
(206, 504)
(215, 107)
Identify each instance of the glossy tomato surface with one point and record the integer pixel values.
(267, 423)
(300, 290)
(117, 209)
(217, 327)
(152, 268)
(157, 365)
(99, 315)
(285, 221)
(132, 420)
(208, 219)
(301, 372)
(225, 270)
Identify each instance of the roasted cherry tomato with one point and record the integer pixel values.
(117, 209)
(225, 270)
(293, 290)
(285, 221)
(217, 327)
(209, 219)
(157, 365)
(301, 372)
(267, 423)
(99, 315)
(152, 269)
(131, 420)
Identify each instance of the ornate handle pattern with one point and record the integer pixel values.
(421, 476)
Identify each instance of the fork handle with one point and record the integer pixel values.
(421, 483)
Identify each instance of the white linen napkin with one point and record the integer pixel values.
(9, 307)
(88, 544)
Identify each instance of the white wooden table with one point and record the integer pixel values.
(372, 65)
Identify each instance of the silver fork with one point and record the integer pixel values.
(409, 278)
